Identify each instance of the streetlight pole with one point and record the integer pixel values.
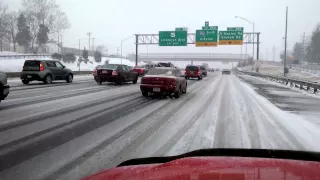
(285, 44)
(121, 45)
(253, 30)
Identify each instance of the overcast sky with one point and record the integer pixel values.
(113, 20)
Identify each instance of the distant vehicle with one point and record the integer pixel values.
(46, 71)
(4, 87)
(193, 71)
(203, 70)
(226, 71)
(164, 81)
(164, 64)
(115, 73)
(210, 70)
(217, 69)
(141, 70)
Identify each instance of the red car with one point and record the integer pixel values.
(165, 81)
(141, 70)
(193, 71)
(237, 164)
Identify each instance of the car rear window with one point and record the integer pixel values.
(110, 66)
(140, 66)
(192, 68)
(168, 72)
(32, 63)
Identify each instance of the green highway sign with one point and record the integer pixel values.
(210, 27)
(181, 29)
(173, 38)
(235, 29)
(231, 37)
(206, 38)
(206, 23)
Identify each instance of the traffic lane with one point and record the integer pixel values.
(15, 82)
(52, 142)
(226, 113)
(25, 130)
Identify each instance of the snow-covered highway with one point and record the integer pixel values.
(68, 131)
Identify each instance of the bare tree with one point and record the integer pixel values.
(3, 10)
(45, 12)
(11, 27)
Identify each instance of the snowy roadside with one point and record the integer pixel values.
(15, 65)
(278, 71)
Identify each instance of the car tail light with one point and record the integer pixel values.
(198, 72)
(94, 72)
(185, 71)
(41, 66)
(114, 73)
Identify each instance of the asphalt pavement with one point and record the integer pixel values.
(68, 131)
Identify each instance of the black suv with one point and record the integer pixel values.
(45, 70)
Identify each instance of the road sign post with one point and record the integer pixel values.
(173, 38)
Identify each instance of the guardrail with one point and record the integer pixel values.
(304, 85)
(17, 74)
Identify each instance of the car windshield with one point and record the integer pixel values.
(158, 71)
(192, 68)
(88, 84)
(109, 66)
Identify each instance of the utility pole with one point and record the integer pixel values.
(79, 49)
(274, 53)
(89, 34)
(285, 43)
(93, 44)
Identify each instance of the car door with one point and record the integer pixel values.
(131, 73)
(180, 78)
(63, 72)
(122, 72)
(51, 65)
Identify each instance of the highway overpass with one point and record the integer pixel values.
(222, 57)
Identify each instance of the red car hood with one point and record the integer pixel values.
(216, 168)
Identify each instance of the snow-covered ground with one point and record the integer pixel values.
(15, 65)
(278, 71)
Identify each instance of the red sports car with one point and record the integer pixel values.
(141, 70)
(227, 164)
(165, 81)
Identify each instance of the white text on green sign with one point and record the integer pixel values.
(235, 28)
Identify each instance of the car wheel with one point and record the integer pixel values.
(177, 93)
(69, 78)
(145, 94)
(99, 82)
(48, 79)
(25, 81)
(199, 78)
(120, 81)
(135, 81)
(185, 90)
